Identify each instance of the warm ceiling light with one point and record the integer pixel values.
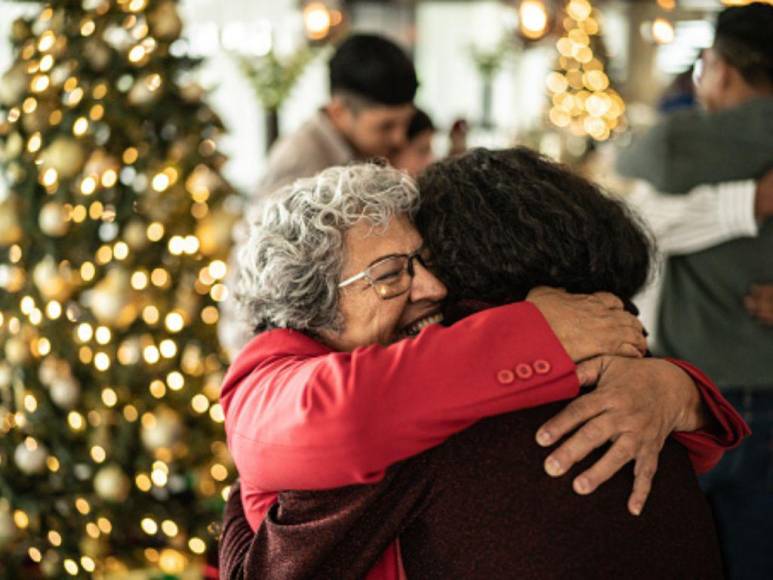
(316, 20)
(533, 19)
(662, 31)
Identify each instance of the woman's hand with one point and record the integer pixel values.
(637, 404)
(589, 325)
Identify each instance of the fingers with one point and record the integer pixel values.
(622, 451)
(630, 351)
(593, 434)
(609, 300)
(644, 472)
(589, 371)
(621, 331)
(576, 413)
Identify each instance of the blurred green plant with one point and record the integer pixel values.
(273, 78)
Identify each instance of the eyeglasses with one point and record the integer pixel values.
(391, 276)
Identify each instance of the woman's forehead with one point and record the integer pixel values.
(366, 243)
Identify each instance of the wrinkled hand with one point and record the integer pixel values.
(589, 325)
(637, 404)
(759, 303)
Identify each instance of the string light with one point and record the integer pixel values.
(80, 127)
(169, 528)
(71, 567)
(197, 545)
(109, 397)
(149, 526)
(143, 483)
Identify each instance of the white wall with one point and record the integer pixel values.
(451, 85)
(217, 28)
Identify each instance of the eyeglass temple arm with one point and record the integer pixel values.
(352, 280)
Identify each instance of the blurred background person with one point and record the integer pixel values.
(417, 154)
(718, 272)
(372, 86)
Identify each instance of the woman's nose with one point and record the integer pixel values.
(426, 286)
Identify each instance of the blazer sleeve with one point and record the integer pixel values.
(343, 418)
(706, 447)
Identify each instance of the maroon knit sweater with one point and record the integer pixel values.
(481, 507)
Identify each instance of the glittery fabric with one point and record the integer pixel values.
(481, 507)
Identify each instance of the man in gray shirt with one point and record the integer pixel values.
(372, 85)
(704, 307)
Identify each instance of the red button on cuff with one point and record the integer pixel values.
(542, 367)
(505, 376)
(524, 371)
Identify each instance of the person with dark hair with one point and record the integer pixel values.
(416, 155)
(495, 225)
(713, 299)
(372, 85)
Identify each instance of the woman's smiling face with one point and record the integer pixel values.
(368, 319)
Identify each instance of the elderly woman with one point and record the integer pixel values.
(330, 393)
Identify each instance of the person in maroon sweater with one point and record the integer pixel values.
(479, 506)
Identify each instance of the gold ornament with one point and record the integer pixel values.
(142, 92)
(214, 233)
(65, 392)
(64, 155)
(7, 527)
(14, 145)
(10, 230)
(52, 368)
(164, 430)
(165, 22)
(38, 120)
(6, 375)
(13, 85)
(16, 279)
(100, 162)
(98, 54)
(53, 282)
(15, 172)
(192, 92)
(135, 235)
(16, 351)
(96, 549)
(30, 457)
(53, 220)
(111, 300)
(112, 484)
(20, 30)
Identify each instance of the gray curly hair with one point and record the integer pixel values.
(291, 265)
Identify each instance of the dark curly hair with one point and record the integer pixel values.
(499, 223)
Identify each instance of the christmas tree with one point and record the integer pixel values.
(114, 228)
(582, 98)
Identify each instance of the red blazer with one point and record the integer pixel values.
(300, 416)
